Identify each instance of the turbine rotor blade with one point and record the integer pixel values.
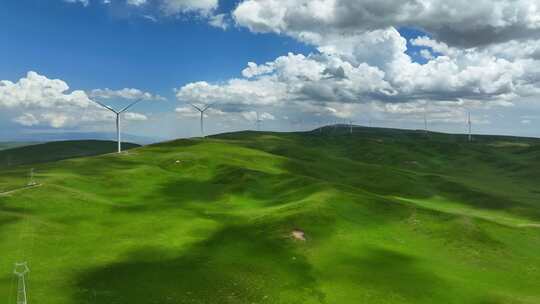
(105, 106)
(129, 106)
(208, 106)
(196, 107)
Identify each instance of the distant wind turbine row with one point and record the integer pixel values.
(203, 108)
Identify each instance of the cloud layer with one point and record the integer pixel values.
(154, 9)
(475, 56)
(40, 91)
(126, 93)
(36, 100)
(460, 22)
(478, 55)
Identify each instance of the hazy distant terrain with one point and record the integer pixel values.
(10, 145)
(65, 136)
(379, 216)
(52, 151)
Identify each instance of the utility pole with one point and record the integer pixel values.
(21, 269)
(31, 181)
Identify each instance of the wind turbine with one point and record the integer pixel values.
(425, 123)
(258, 121)
(202, 110)
(350, 126)
(118, 125)
(470, 127)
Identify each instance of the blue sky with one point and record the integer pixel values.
(387, 74)
(93, 47)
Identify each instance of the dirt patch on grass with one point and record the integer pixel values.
(298, 235)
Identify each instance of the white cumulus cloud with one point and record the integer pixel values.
(36, 100)
(27, 119)
(126, 93)
(83, 2)
(204, 7)
(479, 55)
(36, 90)
(135, 116)
(136, 2)
(252, 116)
(460, 22)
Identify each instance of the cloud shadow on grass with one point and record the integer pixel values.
(9, 215)
(238, 264)
(395, 275)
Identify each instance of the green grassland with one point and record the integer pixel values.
(389, 216)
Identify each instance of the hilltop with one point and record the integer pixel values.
(57, 150)
(11, 145)
(377, 216)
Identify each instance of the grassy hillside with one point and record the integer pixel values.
(58, 150)
(11, 145)
(388, 216)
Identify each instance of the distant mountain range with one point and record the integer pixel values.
(57, 150)
(47, 137)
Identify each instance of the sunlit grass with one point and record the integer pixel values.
(388, 216)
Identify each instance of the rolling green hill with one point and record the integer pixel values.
(58, 150)
(379, 216)
(11, 145)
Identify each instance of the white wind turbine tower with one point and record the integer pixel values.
(118, 122)
(425, 122)
(21, 269)
(469, 123)
(201, 110)
(258, 121)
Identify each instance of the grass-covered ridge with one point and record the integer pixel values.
(10, 144)
(23, 154)
(389, 216)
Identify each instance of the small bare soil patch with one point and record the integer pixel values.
(299, 235)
